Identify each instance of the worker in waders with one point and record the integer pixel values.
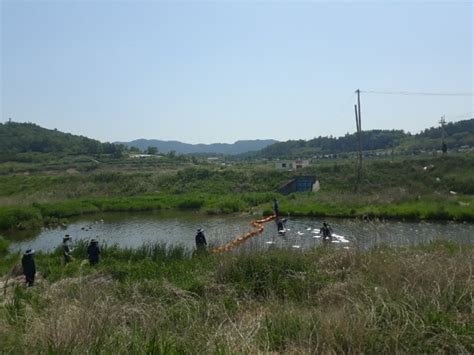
(201, 242)
(326, 232)
(93, 252)
(276, 207)
(29, 267)
(67, 248)
(280, 225)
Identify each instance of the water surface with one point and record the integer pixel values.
(179, 228)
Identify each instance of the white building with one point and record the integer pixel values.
(291, 164)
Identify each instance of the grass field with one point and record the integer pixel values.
(154, 300)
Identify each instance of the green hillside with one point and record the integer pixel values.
(458, 134)
(30, 138)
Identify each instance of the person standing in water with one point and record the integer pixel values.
(326, 232)
(29, 267)
(201, 242)
(280, 225)
(276, 207)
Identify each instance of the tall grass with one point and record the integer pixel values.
(152, 300)
(280, 273)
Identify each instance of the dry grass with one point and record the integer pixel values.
(382, 301)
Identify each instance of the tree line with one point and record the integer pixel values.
(458, 134)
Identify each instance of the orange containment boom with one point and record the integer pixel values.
(233, 243)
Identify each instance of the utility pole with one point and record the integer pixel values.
(359, 137)
(444, 146)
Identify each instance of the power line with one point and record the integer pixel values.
(417, 93)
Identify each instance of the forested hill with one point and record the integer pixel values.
(376, 139)
(458, 134)
(29, 137)
(451, 129)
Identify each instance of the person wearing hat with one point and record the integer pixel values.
(326, 232)
(29, 267)
(200, 239)
(93, 251)
(67, 248)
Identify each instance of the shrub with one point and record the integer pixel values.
(19, 217)
(190, 204)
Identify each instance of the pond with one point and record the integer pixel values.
(179, 228)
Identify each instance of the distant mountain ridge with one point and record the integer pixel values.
(239, 147)
(25, 138)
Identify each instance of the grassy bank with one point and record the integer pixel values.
(428, 207)
(459, 208)
(151, 300)
(38, 214)
(437, 188)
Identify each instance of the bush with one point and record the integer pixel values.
(67, 209)
(190, 204)
(19, 217)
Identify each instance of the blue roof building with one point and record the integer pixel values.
(298, 184)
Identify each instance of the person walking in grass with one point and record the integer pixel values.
(67, 248)
(326, 232)
(93, 252)
(29, 267)
(201, 242)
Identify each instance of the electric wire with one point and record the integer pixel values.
(409, 93)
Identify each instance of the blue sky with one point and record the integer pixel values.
(204, 72)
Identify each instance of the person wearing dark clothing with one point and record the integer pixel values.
(200, 239)
(29, 267)
(326, 232)
(276, 207)
(280, 225)
(67, 248)
(93, 252)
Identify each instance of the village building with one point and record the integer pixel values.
(299, 184)
(291, 164)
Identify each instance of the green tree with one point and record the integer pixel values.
(152, 150)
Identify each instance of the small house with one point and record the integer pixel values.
(291, 164)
